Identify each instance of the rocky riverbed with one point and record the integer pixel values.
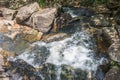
(65, 43)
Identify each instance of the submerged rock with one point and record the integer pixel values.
(42, 20)
(61, 21)
(113, 74)
(101, 9)
(114, 51)
(26, 11)
(54, 37)
(77, 11)
(21, 70)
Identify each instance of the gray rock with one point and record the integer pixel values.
(113, 74)
(1, 61)
(114, 51)
(77, 11)
(26, 11)
(110, 34)
(54, 37)
(8, 14)
(42, 20)
(99, 21)
(117, 27)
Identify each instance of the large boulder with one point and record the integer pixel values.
(26, 11)
(14, 37)
(113, 74)
(42, 20)
(114, 51)
(8, 13)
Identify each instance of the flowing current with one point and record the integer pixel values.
(78, 51)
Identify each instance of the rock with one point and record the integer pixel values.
(113, 74)
(36, 55)
(10, 39)
(117, 17)
(110, 34)
(16, 76)
(117, 27)
(77, 11)
(26, 11)
(42, 20)
(15, 4)
(54, 37)
(6, 53)
(114, 51)
(1, 62)
(101, 9)
(61, 21)
(32, 35)
(8, 14)
(113, 4)
(99, 21)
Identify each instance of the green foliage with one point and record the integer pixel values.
(113, 63)
(42, 3)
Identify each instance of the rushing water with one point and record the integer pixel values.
(77, 51)
(72, 57)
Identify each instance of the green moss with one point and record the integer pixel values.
(113, 64)
(42, 3)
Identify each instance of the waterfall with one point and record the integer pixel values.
(76, 51)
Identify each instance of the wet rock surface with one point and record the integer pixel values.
(113, 51)
(54, 37)
(76, 12)
(113, 74)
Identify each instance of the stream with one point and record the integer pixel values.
(73, 58)
(76, 52)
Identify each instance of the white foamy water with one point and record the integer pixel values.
(76, 51)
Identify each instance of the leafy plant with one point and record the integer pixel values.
(42, 3)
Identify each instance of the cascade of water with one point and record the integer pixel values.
(76, 51)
